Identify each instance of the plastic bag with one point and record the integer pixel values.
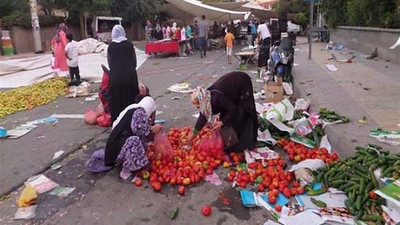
(162, 148)
(100, 110)
(28, 197)
(90, 117)
(213, 145)
(104, 120)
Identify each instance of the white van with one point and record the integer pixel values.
(100, 27)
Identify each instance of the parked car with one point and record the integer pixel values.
(100, 27)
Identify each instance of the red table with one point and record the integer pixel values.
(162, 47)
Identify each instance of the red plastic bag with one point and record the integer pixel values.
(213, 145)
(90, 117)
(100, 110)
(104, 120)
(162, 148)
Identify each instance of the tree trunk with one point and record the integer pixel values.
(82, 25)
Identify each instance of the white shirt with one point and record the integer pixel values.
(72, 51)
(263, 31)
(183, 34)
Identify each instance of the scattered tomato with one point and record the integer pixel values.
(181, 190)
(206, 210)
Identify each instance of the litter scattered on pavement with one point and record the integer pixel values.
(196, 115)
(181, 88)
(214, 179)
(62, 191)
(20, 131)
(38, 138)
(25, 213)
(41, 183)
(47, 120)
(395, 45)
(159, 121)
(90, 99)
(176, 98)
(159, 112)
(58, 154)
(331, 67)
(27, 197)
(55, 166)
(69, 116)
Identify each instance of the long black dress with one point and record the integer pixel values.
(123, 77)
(232, 97)
(117, 138)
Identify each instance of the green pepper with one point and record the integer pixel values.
(174, 213)
(318, 202)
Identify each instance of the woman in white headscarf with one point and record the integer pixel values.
(123, 81)
(127, 143)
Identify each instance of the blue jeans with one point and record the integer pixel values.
(202, 45)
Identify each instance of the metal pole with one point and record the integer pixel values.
(35, 26)
(310, 29)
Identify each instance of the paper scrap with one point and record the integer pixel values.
(41, 183)
(25, 213)
(312, 164)
(20, 131)
(58, 154)
(62, 191)
(90, 99)
(196, 115)
(159, 112)
(331, 67)
(214, 179)
(48, 120)
(181, 88)
(69, 116)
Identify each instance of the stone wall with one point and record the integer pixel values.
(366, 39)
(23, 38)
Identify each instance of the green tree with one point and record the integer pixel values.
(335, 12)
(136, 12)
(82, 8)
(8, 7)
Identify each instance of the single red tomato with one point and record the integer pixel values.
(181, 190)
(278, 208)
(138, 182)
(206, 210)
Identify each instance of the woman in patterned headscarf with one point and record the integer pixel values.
(231, 96)
(58, 46)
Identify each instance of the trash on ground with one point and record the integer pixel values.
(160, 121)
(79, 91)
(248, 198)
(38, 138)
(176, 98)
(265, 136)
(181, 88)
(20, 131)
(214, 179)
(158, 112)
(90, 99)
(28, 197)
(25, 213)
(333, 47)
(363, 121)
(384, 133)
(287, 88)
(196, 115)
(55, 166)
(62, 191)
(295, 64)
(3, 132)
(260, 154)
(58, 154)
(331, 67)
(69, 116)
(41, 183)
(302, 104)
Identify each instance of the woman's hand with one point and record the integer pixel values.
(217, 125)
(156, 128)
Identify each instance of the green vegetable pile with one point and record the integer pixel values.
(355, 176)
(332, 116)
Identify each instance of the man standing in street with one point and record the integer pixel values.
(264, 38)
(203, 35)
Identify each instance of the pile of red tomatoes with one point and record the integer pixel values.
(298, 152)
(187, 166)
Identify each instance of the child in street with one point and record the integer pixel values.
(71, 51)
(229, 38)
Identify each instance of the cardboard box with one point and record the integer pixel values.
(273, 92)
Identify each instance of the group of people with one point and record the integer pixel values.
(133, 111)
(65, 54)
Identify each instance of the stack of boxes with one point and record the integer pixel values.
(6, 42)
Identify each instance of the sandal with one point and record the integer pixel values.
(128, 180)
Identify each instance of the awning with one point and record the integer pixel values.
(197, 8)
(260, 12)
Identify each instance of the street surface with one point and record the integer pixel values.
(358, 89)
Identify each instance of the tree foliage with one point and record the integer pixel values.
(373, 13)
(135, 10)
